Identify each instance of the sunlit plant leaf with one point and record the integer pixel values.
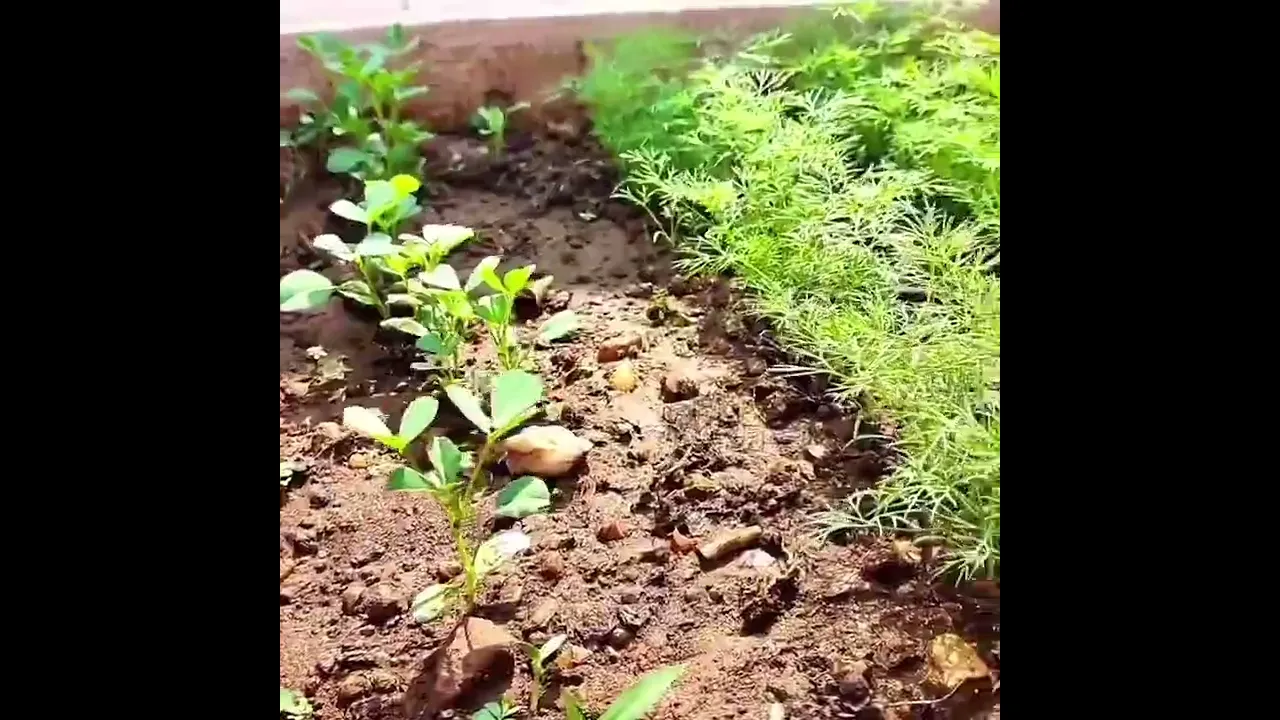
(376, 244)
(349, 210)
(446, 458)
(432, 602)
(524, 496)
(359, 291)
(484, 273)
(370, 424)
(304, 291)
(405, 325)
(516, 280)
(441, 276)
(636, 701)
(558, 326)
(498, 549)
(333, 245)
(417, 418)
(406, 479)
(469, 405)
(514, 393)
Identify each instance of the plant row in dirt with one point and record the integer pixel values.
(406, 279)
(847, 175)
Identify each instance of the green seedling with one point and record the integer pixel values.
(386, 205)
(538, 657)
(501, 709)
(497, 311)
(366, 109)
(442, 310)
(457, 480)
(294, 705)
(491, 122)
(635, 702)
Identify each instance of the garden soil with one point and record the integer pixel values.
(709, 443)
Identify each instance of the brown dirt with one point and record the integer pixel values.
(738, 453)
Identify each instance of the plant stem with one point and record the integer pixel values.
(373, 290)
(465, 513)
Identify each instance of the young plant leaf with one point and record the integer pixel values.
(349, 210)
(539, 288)
(405, 325)
(304, 291)
(446, 237)
(432, 602)
(405, 184)
(403, 299)
(417, 418)
(550, 647)
(636, 701)
(514, 393)
(557, 326)
(333, 245)
(369, 423)
(359, 291)
(406, 479)
(524, 496)
(441, 276)
(430, 343)
(294, 704)
(300, 94)
(484, 272)
(572, 706)
(496, 710)
(469, 405)
(498, 549)
(375, 245)
(344, 160)
(446, 458)
(516, 280)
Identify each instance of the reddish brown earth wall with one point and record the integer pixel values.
(525, 59)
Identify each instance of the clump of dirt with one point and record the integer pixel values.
(685, 537)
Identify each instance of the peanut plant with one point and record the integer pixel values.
(491, 122)
(377, 259)
(366, 110)
(538, 657)
(635, 702)
(457, 479)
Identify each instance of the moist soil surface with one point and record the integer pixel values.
(709, 442)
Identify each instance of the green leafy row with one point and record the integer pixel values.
(848, 177)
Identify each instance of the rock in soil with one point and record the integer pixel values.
(681, 545)
(547, 451)
(571, 656)
(475, 649)
(383, 602)
(359, 684)
(952, 661)
(728, 542)
(612, 530)
(679, 384)
(359, 461)
(543, 613)
(619, 637)
(624, 377)
(620, 347)
(852, 681)
(551, 565)
(776, 712)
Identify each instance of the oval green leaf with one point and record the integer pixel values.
(349, 210)
(441, 276)
(406, 479)
(523, 497)
(304, 291)
(559, 325)
(367, 422)
(469, 405)
(514, 393)
(446, 458)
(333, 245)
(358, 290)
(405, 184)
(431, 603)
(344, 160)
(636, 701)
(498, 549)
(417, 418)
(446, 237)
(375, 245)
(405, 325)
(516, 280)
(484, 273)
